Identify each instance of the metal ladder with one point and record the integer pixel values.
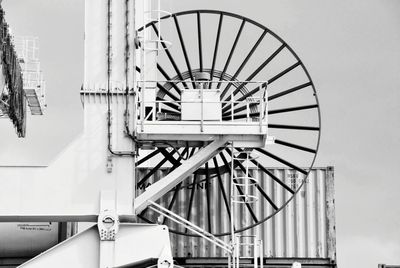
(255, 243)
(149, 48)
(241, 194)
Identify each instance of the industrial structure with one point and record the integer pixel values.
(21, 79)
(185, 116)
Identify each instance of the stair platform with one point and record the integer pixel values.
(250, 133)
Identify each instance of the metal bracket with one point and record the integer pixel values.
(109, 164)
(165, 260)
(108, 223)
(108, 226)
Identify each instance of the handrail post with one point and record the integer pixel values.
(261, 120)
(265, 96)
(232, 106)
(142, 112)
(135, 109)
(202, 107)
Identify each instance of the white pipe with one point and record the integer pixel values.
(190, 226)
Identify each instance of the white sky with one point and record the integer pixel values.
(352, 51)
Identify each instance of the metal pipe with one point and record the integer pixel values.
(176, 218)
(109, 73)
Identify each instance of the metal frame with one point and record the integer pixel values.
(34, 84)
(180, 77)
(193, 228)
(176, 176)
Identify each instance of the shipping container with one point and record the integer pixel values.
(20, 242)
(304, 230)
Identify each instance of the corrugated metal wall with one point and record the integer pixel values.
(303, 229)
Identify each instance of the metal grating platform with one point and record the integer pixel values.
(33, 101)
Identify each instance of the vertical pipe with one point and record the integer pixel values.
(109, 72)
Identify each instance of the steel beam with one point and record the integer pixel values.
(158, 189)
(83, 250)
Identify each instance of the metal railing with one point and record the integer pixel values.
(190, 226)
(27, 48)
(256, 244)
(256, 108)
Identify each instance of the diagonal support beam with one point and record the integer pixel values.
(158, 189)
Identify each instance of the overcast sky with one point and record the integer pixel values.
(352, 50)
